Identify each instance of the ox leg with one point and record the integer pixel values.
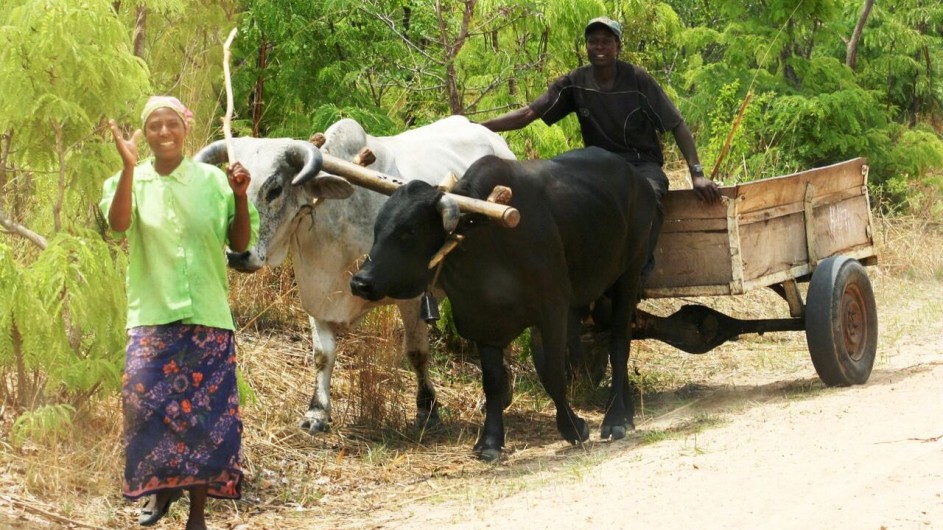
(576, 359)
(318, 417)
(416, 346)
(620, 409)
(491, 441)
(548, 346)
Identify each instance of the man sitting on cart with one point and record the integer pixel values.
(621, 108)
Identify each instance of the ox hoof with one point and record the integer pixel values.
(314, 423)
(488, 448)
(427, 420)
(575, 431)
(616, 432)
(489, 454)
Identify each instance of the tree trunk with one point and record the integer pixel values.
(6, 139)
(140, 31)
(60, 199)
(257, 96)
(851, 57)
(450, 50)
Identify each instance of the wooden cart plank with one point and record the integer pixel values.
(777, 191)
(773, 246)
(692, 260)
(764, 233)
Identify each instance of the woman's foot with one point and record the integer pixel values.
(197, 518)
(156, 506)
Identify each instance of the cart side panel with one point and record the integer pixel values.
(786, 222)
(695, 258)
(842, 226)
(693, 248)
(778, 192)
(773, 245)
(768, 231)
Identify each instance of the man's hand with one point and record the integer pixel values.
(128, 149)
(706, 190)
(239, 179)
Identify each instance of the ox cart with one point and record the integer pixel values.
(810, 227)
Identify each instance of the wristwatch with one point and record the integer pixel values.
(697, 169)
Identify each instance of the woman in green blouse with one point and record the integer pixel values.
(182, 428)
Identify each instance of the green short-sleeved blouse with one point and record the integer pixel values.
(176, 244)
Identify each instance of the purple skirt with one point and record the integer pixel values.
(181, 411)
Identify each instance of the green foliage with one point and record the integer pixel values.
(183, 50)
(48, 423)
(915, 153)
(9, 281)
(63, 65)
(70, 309)
(829, 127)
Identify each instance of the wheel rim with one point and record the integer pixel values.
(854, 325)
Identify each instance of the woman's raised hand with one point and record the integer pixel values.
(239, 179)
(128, 149)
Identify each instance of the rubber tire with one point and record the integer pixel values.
(841, 322)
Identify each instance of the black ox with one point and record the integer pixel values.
(584, 230)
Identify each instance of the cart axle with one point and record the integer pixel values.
(699, 329)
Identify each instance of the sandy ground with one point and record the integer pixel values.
(780, 456)
(746, 448)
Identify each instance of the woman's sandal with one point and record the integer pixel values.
(151, 512)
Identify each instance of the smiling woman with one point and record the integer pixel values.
(182, 428)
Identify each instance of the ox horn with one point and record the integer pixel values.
(215, 153)
(313, 160)
(448, 208)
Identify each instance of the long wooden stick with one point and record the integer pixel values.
(733, 129)
(508, 216)
(227, 120)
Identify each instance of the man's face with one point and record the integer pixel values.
(602, 47)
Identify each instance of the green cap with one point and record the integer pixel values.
(607, 23)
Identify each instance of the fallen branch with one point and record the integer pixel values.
(29, 507)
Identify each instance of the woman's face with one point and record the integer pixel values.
(165, 132)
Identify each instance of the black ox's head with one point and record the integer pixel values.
(412, 225)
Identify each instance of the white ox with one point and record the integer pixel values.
(328, 240)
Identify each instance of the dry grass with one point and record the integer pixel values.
(373, 459)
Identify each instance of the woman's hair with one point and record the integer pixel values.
(168, 102)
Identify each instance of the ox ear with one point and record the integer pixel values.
(214, 154)
(330, 187)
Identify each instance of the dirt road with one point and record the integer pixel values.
(787, 454)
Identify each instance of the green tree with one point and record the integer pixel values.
(64, 68)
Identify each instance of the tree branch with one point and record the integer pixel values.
(851, 57)
(20, 230)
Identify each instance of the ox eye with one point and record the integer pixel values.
(407, 234)
(273, 194)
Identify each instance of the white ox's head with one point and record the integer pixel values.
(286, 178)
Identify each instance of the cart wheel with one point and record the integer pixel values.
(841, 322)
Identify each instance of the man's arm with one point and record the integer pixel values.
(511, 121)
(706, 190)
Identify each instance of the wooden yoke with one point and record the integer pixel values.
(506, 215)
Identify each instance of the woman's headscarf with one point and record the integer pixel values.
(169, 102)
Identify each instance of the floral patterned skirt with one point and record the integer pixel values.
(181, 411)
